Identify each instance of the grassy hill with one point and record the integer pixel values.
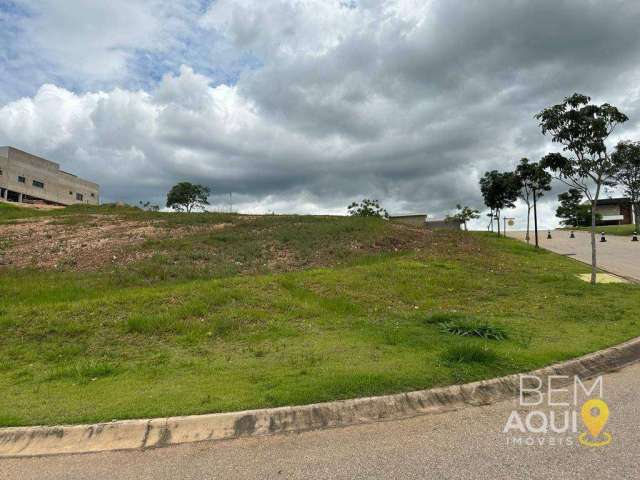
(111, 313)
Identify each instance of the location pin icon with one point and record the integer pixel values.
(595, 413)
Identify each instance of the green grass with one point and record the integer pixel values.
(357, 310)
(480, 354)
(626, 230)
(77, 214)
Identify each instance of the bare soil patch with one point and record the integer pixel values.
(85, 243)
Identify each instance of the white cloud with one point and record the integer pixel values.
(283, 28)
(53, 117)
(93, 39)
(405, 101)
(87, 45)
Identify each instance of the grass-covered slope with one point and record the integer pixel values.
(271, 311)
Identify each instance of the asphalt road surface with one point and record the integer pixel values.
(617, 255)
(469, 443)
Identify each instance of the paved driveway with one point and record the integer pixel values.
(617, 255)
(465, 444)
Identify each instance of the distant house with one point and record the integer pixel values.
(423, 220)
(27, 178)
(615, 211)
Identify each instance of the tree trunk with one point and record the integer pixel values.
(593, 243)
(594, 204)
(636, 214)
(528, 222)
(498, 218)
(535, 217)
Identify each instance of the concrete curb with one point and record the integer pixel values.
(159, 432)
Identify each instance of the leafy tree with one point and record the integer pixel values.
(626, 157)
(500, 191)
(534, 181)
(583, 215)
(582, 129)
(147, 206)
(186, 196)
(572, 211)
(463, 215)
(367, 208)
(568, 209)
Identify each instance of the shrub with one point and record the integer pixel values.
(473, 328)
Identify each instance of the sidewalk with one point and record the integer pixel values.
(618, 255)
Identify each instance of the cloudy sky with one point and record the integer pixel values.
(305, 105)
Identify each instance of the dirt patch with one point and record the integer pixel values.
(164, 248)
(85, 243)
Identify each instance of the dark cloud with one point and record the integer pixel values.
(405, 101)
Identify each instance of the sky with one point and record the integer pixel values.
(303, 106)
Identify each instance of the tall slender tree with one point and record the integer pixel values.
(534, 181)
(500, 191)
(627, 158)
(582, 128)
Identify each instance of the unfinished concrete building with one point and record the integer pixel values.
(31, 179)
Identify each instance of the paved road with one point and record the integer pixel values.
(465, 444)
(617, 255)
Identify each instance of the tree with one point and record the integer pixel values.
(147, 206)
(500, 191)
(626, 157)
(584, 215)
(463, 215)
(534, 181)
(568, 210)
(187, 196)
(367, 208)
(582, 129)
(572, 211)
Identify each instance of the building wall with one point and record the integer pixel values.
(413, 220)
(607, 210)
(623, 209)
(627, 211)
(453, 225)
(423, 221)
(59, 186)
